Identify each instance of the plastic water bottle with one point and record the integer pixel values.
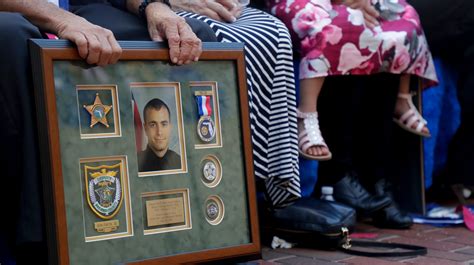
(326, 193)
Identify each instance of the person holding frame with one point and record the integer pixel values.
(23, 230)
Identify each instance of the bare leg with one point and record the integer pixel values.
(402, 104)
(308, 102)
(404, 84)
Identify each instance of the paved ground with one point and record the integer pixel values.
(445, 246)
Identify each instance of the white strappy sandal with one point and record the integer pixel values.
(310, 135)
(410, 117)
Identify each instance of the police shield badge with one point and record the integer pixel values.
(104, 189)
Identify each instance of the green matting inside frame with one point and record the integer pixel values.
(232, 231)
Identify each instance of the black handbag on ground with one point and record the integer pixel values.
(309, 222)
(316, 223)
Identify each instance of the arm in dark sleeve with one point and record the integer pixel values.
(122, 4)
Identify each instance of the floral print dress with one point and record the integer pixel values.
(333, 39)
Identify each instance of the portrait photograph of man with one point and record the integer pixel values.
(158, 129)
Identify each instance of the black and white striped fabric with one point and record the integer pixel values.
(272, 98)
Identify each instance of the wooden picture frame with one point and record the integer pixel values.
(84, 184)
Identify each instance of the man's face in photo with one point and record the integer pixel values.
(158, 129)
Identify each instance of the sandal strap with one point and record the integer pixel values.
(420, 126)
(306, 115)
(407, 96)
(412, 120)
(409, 113)
(306, 141)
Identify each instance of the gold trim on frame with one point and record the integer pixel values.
(180, 122)
(215, 100)
(187, 211)
(125, 198)
(115, 109)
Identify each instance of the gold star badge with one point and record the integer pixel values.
(98, 112)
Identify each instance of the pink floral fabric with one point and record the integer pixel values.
(333, 40)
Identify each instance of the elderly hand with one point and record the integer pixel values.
(95, 44)
(220, 10)
(369, 12)
(163, 23)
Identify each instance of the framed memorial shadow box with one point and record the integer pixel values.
(143, 161)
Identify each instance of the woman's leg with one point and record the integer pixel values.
(402, 105)
(272, 96)
(308, 102)
(309, 93)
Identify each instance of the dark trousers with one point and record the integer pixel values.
(127, 26)
(355, 114)
(449, 27)
(19, 165)
(21, 192)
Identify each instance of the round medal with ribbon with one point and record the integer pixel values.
(205, 127)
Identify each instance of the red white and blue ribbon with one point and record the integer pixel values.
(204, 105)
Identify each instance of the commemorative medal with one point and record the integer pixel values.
(98, 112)
(104, 190)
(210, 171)
(205, 127)
(214, 210)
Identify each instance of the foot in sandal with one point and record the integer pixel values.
(406, 115)
(310, 141)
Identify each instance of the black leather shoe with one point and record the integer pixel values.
(349, 191)
(391, 216)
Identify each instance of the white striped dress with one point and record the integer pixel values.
(272, 95)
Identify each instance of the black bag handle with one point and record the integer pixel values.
(348, 243)
(412, 250)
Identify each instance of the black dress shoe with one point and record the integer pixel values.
(349, 191)
(391, 216)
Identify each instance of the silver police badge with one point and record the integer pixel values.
(209, 171)
(206, 129)
(104, 190)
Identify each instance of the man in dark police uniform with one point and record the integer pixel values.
(158, 128)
